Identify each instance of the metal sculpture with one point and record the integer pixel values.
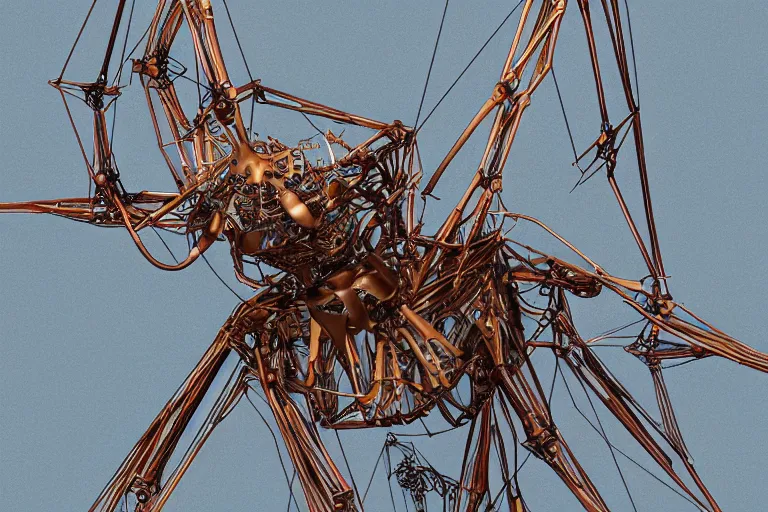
(368, 321)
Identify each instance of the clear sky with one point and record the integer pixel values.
(94, 340)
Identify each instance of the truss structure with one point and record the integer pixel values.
(364, 318)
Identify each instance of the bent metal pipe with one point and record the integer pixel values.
(366, 319)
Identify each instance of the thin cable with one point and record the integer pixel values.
(583, 180)
(389, 483)
(431, 434)
(274, 438)
(245, 61)
(77, 39)
(686, 498)
(468, 66)
(196, 82)
(381, 454)
(617, 329)
(220, 279)
(119, 75)
(501, 454)
(165, 244)
(313, 125)
(562, 107)
(680, 364)
(552, 388)
(634, 60)
(431, 63)
(290, 498)
(349, 470)
(125, 45)
(407, 509)
(125, 61)
(427, 432)
(605, 438)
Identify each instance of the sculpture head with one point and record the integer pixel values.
(267, 171)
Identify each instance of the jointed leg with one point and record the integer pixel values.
(544, 439)
(142, 478)
(324, 487)
(474, 470)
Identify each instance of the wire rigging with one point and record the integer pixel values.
(274, 439)
(646, 470)
(245, 61)
(431, 63)
(119, 74)
(466, 68)
(565, 117)
(605, 438)
(349, 469)
(300, 327)
(632, 48)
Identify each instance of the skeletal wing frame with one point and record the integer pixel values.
(487, 343)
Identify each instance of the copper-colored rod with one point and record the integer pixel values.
(300, 450)
(486, 109)
(194, 253)
(155, 24)
(562, 240)
(512, 490)
(174, 22)
(175, 115)
(213, 43)
(620, 51)
(632, 226)
(619, 47)
(477, 484)
(722, 346)
(655, 267)
(168, 426)
(111, 45)
(171, 205)
(305, 106)
(621, 411)
(516, 41)
(572, 475)
(501, 93)
(176, 178)
(405, 316)
(584, 9)
(49, 206)
(520, 100)
(159, 501)
(466, 460)
(637, 133)
(638, 136)
(102, 155)
(88, 165)
(673, 431)
(201, 49)
(611, 22)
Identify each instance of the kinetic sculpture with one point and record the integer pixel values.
(368, 321)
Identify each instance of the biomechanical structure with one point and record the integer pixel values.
(367, 320)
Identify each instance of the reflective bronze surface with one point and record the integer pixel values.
(361, 298)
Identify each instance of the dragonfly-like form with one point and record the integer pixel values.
(363, 318)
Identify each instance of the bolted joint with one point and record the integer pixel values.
(501, 92)
(144, 491)
(506, 87)
(344, 501)
(543, 444)
(224, 96)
